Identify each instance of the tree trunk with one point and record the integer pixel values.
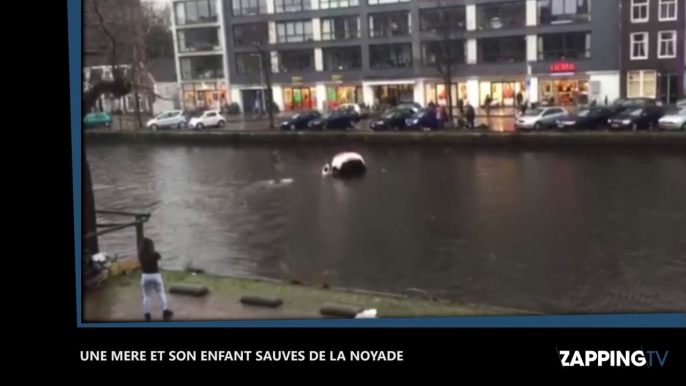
(449, 97)
(88, 216)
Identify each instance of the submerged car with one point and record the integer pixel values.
(299, 121)
(540, 118)
(335, 120)
(209, 118)
(392, 120)
(168, 119)
(674, 120)
(424, 119)
(637, 118)
(592, 118)
(97, 119)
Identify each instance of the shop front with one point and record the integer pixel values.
(338, 94)
(299, 98)
(503, 93)
(393, 94)
(204, 95)
(563, 86)
(437, 93)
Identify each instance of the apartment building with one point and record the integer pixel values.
(652, 49)
(326, 52)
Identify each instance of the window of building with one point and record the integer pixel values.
(296, 61)
(436, 19)
(284, 6)
(196, 12)
(572, 45)
(439, 53)
(390, 55)
(341, 28)
(329, 4)
(245, 35)
(249, 7)
(342, 58)
(202, 67)
(639, 45)
(378, 2)
(642, 84)
(511, 14)
(667, 10)
(666, 42)
(248, 63)
(294, 31)
(299, 98)
(335, 96)
(502, 50)
(639, 11)
(389, 24)
(563, 11)
(199, 40)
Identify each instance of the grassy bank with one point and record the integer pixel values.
(603, 139)
(298, 300)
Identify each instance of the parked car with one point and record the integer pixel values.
(335, 120)
(299, 121)
(539, 118)
(208, 118)
(674, 120)
(424, 119)
(363, 113)
(592, 118)
(168, 119)
(392, 120)
(414, 106)
(97, 119)
(638, 118)
(622, 105)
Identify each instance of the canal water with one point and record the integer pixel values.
(560, 231)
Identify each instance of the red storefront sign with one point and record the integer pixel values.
(562, 67)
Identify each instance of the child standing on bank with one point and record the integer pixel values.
(151, 279)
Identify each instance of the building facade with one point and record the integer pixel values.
(652, 49)
(327, 52)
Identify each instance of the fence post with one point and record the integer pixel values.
(139, 232)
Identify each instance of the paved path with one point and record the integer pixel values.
(124, 304)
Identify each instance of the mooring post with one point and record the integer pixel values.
(139, 231)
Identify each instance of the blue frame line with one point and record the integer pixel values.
(614, 320)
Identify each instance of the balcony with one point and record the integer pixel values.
(504, 15)
(502, 50)
(202, 67)
(199, 40)
(196, 12)
(249, 7)
(341, 28)
(387, 56)
(553, 12)
(389, 24)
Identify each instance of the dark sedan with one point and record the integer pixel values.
(299, 121)
(424, 119)
(637, 118)
(632, 103)
(336, 120)
(392, 120)
(593, 118)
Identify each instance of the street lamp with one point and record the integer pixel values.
(266, 79)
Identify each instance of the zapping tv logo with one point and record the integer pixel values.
(614, 358)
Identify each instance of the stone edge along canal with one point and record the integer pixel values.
(603, 139)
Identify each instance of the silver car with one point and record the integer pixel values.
(539, 118)
(674, 120)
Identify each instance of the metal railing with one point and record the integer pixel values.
(139, 220)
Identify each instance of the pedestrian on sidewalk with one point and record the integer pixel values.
(470, 116)
(151, 279)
